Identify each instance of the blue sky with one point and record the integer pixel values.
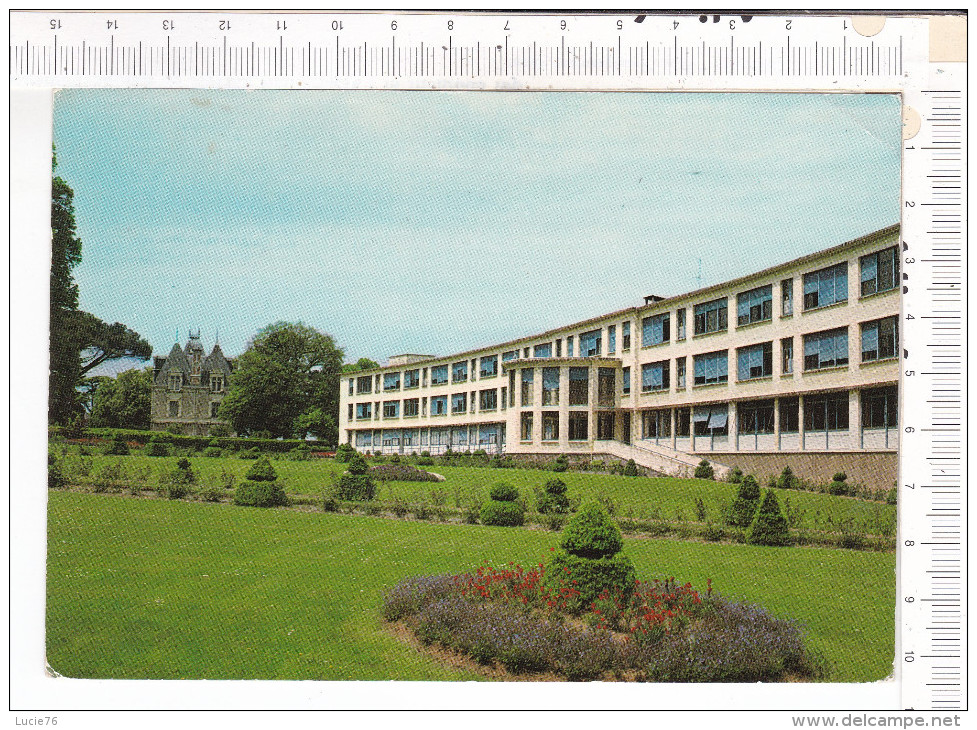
(436, 222)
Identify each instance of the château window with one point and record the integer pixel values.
(570, 346)
(711, 316)
(352, 382)
(680, 373)
(626, 381)
(825, 287)
(879, 271)
(680, 324)
(880, 407)
(217, 384)
(174, 409)
(510, 355)
(176, 381)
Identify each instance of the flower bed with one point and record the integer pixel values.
(664, 632)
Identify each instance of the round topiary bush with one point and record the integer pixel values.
(591, 534)
(502, 510)
(631, 469)
(503, 492)
(590, 561)
(357, 465)
(769, 527)
(356, 488)
(746, 503)
(735, 476)
(261, 471)
(704, 470)
(561, 463)
(502, 514)
(344, 453)
(787, 480)
(554, 500)
(260, 494)
(838, 486)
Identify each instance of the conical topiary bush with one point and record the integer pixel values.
(502, 509)
(589, 561)
(260, 487)
(746, 502)
(769, 527)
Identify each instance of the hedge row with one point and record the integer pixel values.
(194, 442)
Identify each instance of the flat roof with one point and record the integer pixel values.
(861, 240)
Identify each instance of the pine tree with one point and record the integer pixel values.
(769, 526)
(746, 502)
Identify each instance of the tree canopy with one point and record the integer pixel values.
(286, 383)
(123, 401)
(364, 363)
(79, 341)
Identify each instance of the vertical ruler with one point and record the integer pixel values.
(933, 499)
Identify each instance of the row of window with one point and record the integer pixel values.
(174, 409)
(578, 425)
(487, 400)
(879, 272)
(822, 350)
(175, 383)
(822, 412)
(484, 434)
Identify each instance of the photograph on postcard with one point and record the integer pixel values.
(444, 385)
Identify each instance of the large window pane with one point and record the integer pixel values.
(710, 316)
(825, 287)
(655, 329)
(755, 361)
(579, 386)
(710, 368)
(551, 386)
(826, 349)
(755, 305)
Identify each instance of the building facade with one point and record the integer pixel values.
(188, 388)
(797, 364)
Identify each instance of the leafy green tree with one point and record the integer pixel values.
(79, 341)
(123, 401)
(364, 363)
(288, 373)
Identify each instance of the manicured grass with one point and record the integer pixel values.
(638, 497)
(141, 588)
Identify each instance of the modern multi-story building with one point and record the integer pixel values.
(797, 364)
(188, 388)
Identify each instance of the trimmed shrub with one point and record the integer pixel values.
(735, 475)
(259, 494)
(344, 453)
(554, 499)
(356, 488)
(220, 430)
(560, 464)
(787, 480)
(839, 487)
(503, 492)
(212, 493)
(330, 504)
(300, 453)
(746, 503)
(156, 447)
(704, 470)
(891, 496)
(357, 465)
(591, 534)
(425, 460)
(501, 461)
(253, 453)
(213, 452)
(502, 514)
(117, 447)
(769, 527)
(591, 577)
(631, 469)
(261, 471)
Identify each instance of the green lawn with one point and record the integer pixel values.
(141, 588)
(638, 497)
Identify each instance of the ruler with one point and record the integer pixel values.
(913, 56)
